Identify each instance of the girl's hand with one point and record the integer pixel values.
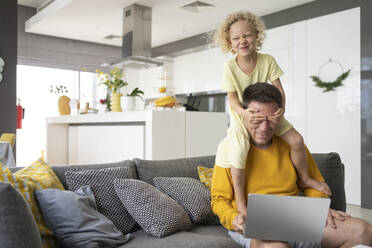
(277, 116)
(251, 118)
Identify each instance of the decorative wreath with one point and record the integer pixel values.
(330, 86)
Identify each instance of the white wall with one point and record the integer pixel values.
(328, 121)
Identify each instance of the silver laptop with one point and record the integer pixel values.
(286, 218)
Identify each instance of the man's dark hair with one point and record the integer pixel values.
(262, 92)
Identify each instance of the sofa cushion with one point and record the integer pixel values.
(205, 176)
(101, 184)
(332, 170)
(61, 170)
(17, 225)
(192, 195)
(157, 213)
(39, 175)
(200, 236)
(186, 167)
(75, 221)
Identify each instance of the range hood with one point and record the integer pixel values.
(136, 46)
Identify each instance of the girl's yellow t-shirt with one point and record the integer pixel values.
(233, 149)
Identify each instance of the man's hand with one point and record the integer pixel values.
(277, 116)
(251, 118)
(238, 223)
(334, 214)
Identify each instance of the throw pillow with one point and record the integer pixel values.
(16, 218)
(39, 175)
(75, 221)
(205, 176)
(157, 213)
(101, 184)
(192, 195)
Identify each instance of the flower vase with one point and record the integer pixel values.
(115, 102)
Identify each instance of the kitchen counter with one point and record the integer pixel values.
(146, 134)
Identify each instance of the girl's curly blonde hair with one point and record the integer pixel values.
(221, 36)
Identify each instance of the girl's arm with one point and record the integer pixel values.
(279, 86)
(234, 103)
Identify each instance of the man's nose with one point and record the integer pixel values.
(265, 125)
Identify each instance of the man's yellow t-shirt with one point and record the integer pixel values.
(268, 171)
(233, 149)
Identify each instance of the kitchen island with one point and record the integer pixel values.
(146, 134)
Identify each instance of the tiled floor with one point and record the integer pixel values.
(357, 211)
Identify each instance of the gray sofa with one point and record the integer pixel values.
(201, 236)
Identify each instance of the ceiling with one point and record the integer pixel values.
(92, 20)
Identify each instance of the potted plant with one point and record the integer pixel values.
(63, 100)
(128, 102)
(113, 81)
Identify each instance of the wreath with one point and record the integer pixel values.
(330, 86)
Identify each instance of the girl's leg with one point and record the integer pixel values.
(238, 177)
(298, 157)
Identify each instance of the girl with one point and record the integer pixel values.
(242, 33)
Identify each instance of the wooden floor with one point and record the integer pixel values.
(357, 211)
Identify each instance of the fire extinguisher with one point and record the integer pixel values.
(19, 114)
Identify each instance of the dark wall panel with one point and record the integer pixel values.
(8, 51)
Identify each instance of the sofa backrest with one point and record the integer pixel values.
(61, 170)
(333, 171)
(186, 167)
(329, 164)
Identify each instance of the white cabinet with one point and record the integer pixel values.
(112, 137)
(105, 144)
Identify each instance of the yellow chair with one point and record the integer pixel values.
(8, 137)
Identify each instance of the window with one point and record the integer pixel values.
(33, 85)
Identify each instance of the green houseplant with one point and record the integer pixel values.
(128, 102)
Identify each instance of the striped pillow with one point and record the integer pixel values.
(205, 176)
(39, 175)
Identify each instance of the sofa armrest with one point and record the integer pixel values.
(333, 171)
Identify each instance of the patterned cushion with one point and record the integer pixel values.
(101, 184)
(192, 195)
(39, 175)
(157, 213)
(205, 176)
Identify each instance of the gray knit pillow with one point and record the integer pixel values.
(157, 213)
(101, 184)
(192, 195)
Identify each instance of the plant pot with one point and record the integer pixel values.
(115, 102)
(128, 103)
(64, 105)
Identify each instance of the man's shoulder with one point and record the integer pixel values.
(279, 142)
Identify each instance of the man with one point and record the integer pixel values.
(269, 170)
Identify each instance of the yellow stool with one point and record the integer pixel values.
(8, 137)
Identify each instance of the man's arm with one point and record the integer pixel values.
(222, 197)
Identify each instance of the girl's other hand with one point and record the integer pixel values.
(277, 116)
